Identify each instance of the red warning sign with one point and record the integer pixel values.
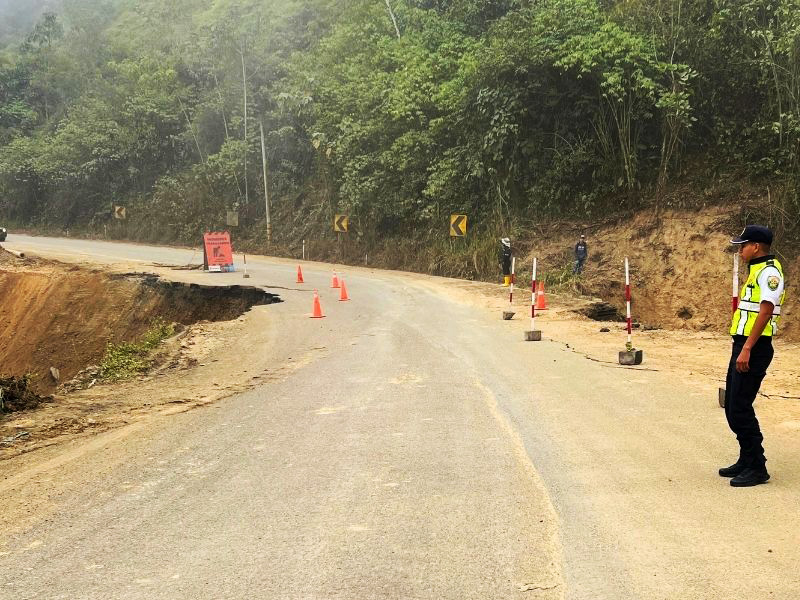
(218, 251)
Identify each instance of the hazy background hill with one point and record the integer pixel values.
(17, 17)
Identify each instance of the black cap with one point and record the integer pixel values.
(754, 233)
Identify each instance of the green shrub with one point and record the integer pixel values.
(122, 361)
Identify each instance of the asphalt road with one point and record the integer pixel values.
(428, 452)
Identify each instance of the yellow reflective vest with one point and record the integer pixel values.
(750, 298)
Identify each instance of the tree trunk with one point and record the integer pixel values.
(394, 20)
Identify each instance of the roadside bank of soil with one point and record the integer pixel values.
(681, 267)
(61, 317)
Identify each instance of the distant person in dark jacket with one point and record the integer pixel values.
(581, 254)
(505, 260)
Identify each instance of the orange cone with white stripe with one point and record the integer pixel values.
(316, 309)
(541, 299)
(335, 281)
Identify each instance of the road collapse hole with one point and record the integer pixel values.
(188, 303)
(16, 394)
(56, 320)
(601, 311)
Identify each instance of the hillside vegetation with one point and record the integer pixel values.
(397, 113)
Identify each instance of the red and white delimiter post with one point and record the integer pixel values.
(629, 345)
(735, 294)
(533, 335)
(511, 289)
(533, 295)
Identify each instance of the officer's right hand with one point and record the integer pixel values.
(743, 361)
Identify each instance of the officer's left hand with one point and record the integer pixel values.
(743, 362)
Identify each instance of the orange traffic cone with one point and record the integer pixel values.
(299, 275)
(316, 310)
(541, 299)
(343, 297)
(335, 281)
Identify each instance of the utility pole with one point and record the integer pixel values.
(266, 187)
(244, 86)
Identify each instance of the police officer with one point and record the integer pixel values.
(755, 322)
(504, 258)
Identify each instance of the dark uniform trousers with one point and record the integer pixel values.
(740, 393)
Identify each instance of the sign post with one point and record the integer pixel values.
(341, 223)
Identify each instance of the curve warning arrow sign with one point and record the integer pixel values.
(458, 225)
(340, 223)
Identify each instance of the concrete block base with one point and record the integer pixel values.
(508, 315)
(533, 336)
(721, 393)
(634, 357)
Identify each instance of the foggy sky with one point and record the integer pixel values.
(17, 17)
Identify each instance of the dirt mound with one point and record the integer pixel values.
(681, 266)
(16, 394)
(54, 315)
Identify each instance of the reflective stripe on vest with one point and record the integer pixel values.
(753, 307)
(747, 312)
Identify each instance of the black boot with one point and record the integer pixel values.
(750, 477)
(731, 471)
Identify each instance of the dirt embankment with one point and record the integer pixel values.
(59, 316)
(681, 266)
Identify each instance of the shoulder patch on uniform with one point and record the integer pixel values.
(773, 281)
